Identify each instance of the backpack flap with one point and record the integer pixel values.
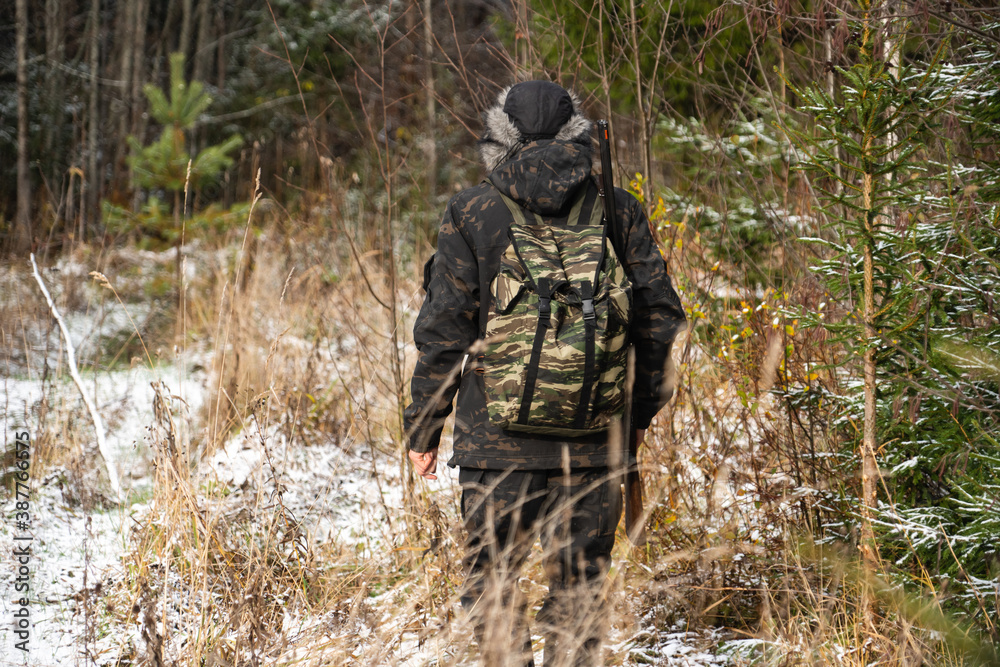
(556, 346)
(506, 289)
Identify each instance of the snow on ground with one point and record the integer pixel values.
(341, 492)
(649, 647)
(123, 397)
(347, 496)
(73, 550)
(338, 495)
(72, 553)
(678, 647)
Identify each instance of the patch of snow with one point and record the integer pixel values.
(650, 646)
(74, 554)
(74, 550)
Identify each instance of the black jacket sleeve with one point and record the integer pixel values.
(448, 323)
(658, 314)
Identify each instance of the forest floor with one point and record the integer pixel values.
(102, 591)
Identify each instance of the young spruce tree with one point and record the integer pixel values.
(913, 266)
(163, 165)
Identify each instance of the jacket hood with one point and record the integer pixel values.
(537, 145)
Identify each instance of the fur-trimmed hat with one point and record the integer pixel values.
(530, 111)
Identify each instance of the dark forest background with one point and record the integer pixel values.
(292, 79)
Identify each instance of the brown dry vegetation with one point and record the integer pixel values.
(295, 335)
(298, 319)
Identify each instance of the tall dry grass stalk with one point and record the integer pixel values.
(298, 349)
(229, 575)
(74, 372)
(211, 576)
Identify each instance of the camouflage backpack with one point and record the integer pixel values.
(556, 326)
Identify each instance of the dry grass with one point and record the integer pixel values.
(296, 335)
(297, 354)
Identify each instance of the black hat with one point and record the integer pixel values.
(531, 111)
(538, 109)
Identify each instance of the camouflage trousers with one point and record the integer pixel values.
(574, 517)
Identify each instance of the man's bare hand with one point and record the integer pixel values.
(640, 437)
(425, 463)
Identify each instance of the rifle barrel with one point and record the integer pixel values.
(607, 175)
(634, 512)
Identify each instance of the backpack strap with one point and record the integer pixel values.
(584, 208)
(516, 210)
(589, 365)
(586, 211)
(544, 322)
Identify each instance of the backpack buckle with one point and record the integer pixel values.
(544, 302)
(544, 310)
(587, 292)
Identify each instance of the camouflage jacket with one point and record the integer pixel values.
(544, 177)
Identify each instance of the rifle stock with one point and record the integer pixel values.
(635, 520)
(635, 524)
(635, 527)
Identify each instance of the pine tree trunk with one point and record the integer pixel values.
(22, 237)
(869, 445)
(831, 81)
(869, 466)
(431, 101)
(220, 56)
(141, 17)
(202, 56)
(126, 38)
(93, 175)
(138, 57)
(187, 10)
(54, 53)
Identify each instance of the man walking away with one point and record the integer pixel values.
(508, 246)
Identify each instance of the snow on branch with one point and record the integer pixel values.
(102, 444)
